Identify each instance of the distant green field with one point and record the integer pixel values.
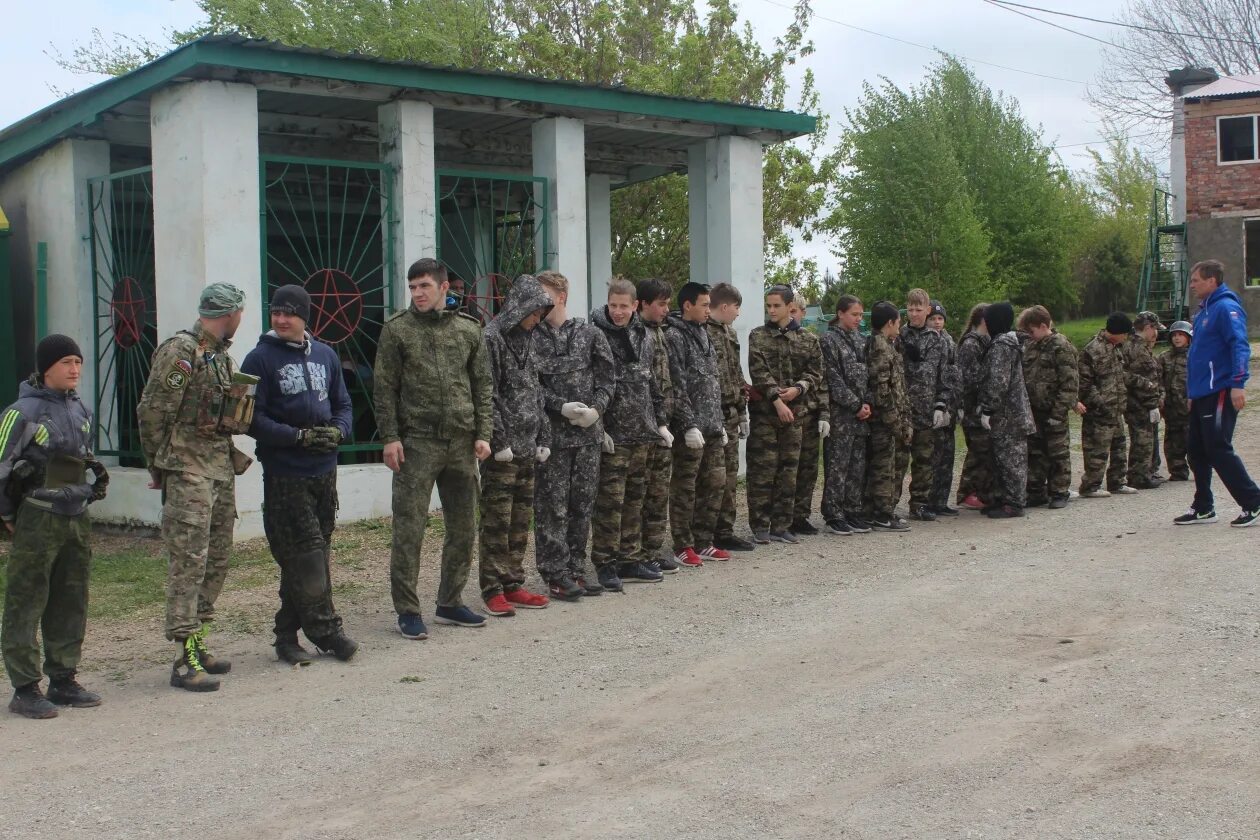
(1081, 331)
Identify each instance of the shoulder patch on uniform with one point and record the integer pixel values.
(176, 379)
(184, 365)
(41, 435)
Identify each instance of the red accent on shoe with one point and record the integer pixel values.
(498, 605)
(972, 502)
(526, 599)
(688, 557)
(715, 553)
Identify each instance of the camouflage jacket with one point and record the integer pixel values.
(1004, 398)
(844, 365)
(660, 368)
(813, 400)
(1172, 377)
(637, 409)
(730, 371)
(518, 418)
(693, 368)
(971, 372)
(780, 358)
(575, 364)
(1050, 374)
(1141, 378)
(432, 378)
(952, 376)
(927, 380)
(1102, 381)
(886, 385)
(41, 425)
(187, 376)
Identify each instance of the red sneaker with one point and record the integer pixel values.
(972, 502)
(525, 599)
(498, 605)
(688, 558)
(715, 553)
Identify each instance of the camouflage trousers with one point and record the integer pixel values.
(883, 486)
(617, 529)
(844, 477)
(452, 466)
(917, 457)
(49, 566)
(1142, 435)
(655, 516)
(977, 471)
(564, 497)
(807, 467)
(695, 492)
(1175, 436)
(198, 517)
(943, 466)
(725, 526)
(1049, 462)
(1103, 448)
(299, 515)
(1010, 462)
(773, 454)
(507, 504)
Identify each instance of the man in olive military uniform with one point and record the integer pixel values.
(1145, 394)
(432, 395)
(654, 299)
(1176, 408)
(724, 304)
(1050, 374)
(814, 417)
(1103, 395)
(45, 453)
(928, 389)
(192, 405)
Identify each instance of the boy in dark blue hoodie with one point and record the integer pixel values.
(301, 414)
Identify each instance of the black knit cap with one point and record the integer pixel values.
(53, 349)
(293, 300)
(881, 314)
(999, 317)
(1119, 324)
(937, 308)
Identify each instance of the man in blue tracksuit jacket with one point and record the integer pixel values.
(301, 414)
(1216, 376)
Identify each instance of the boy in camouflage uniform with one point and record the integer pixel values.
(1005, 413)
(724, 303)
(849, 407)
(975, 484)
(1050, 374)
(943, 457)
(433, 400)
(1145, 394)
(1176, 410)
(575, 367)
(889, 423)
(520, 438)
(1103, 395)
(784, 366)
(654, 297)
(45, 452)
(927, 388)
(634, 425)
(188, 449)
(815, 428)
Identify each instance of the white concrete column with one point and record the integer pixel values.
(407, 143)
(559, 152)
(599, 235)
(735, 252)
(698, 209)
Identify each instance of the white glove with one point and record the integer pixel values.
(667, 437)
(694, 439)
(725, 438)
(503, 455)
(609, 447)
(586, 417)
(985, 423)
(542, 453)
(824, 428)
(571, 411)
(744, 429)
(1154, 415)
(940, 419)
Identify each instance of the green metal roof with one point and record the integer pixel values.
(253, 56)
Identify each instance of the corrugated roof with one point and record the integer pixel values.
(1247, 84)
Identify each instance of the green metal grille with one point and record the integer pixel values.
(124, 306)
(489, 225)
(327, 225)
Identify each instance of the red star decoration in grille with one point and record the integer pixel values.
(127, 307)
(336, 305)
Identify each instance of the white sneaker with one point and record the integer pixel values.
(1125, 490)
(1072, 494)
(1096, 493)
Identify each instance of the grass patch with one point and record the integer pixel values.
(1079, 332)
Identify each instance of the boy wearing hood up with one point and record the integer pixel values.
(1005, 413)
(302, 412)
(635, 422)
(521, 438)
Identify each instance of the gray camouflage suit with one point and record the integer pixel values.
(927, 388)
(1005, 400)
(844, 363)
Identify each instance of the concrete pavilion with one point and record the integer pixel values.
(260, 164)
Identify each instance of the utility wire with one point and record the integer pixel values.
(1217, 38)
(997, 5)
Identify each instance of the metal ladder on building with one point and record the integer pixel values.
(1162, 287)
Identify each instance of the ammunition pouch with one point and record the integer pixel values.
(227, 410)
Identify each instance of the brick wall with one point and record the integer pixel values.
(1212, 188)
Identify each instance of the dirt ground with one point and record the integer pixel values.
(1086, 673)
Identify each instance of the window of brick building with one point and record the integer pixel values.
(1236, 139)
(1251, 252)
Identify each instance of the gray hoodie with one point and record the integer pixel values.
(520, 420)
(637, 409)
(41, 425)
(693, 368)
(574, 365)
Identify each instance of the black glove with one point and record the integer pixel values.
(101, 485)
(321, 439)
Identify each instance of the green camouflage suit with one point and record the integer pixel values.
(1051, 376)
(660, 458)
(1172, 375)
(977, 471)
(734, 412)
(433, 393)
(1102, 390)
(1144, 394)
(889, 426)
(816, 406)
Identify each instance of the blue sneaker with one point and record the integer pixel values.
(412, 627)
(460, 616)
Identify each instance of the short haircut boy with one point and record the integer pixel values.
(691, 292)
(725, 293)
(621, 286)
(553, 280)
(652, 289)
(785, 293)
(918, 297)
(1035, 316)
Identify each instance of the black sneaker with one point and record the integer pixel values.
(608, 578)
(339, 645)
(783, 537)
(1058, 502)
(590, 587)
(922, 513)
(1246, 519)
(1006, 512)
(638, 573)
(564, 588)
(803, 527)
(66, 691)
(840, 527)
(1193, 517)
(1037, 501)
(29, 702)
(290, 652)
(944, 510)
(733, 543)
(889, 523)
(666, 565)
(762, 537)
(857, 524)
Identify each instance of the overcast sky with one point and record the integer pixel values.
(971, 29)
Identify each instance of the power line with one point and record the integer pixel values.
(1218, 38)
(932, 49)
(997, 5)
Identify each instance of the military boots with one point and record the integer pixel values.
(209, 662)
(187, 672)
(29, 702)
